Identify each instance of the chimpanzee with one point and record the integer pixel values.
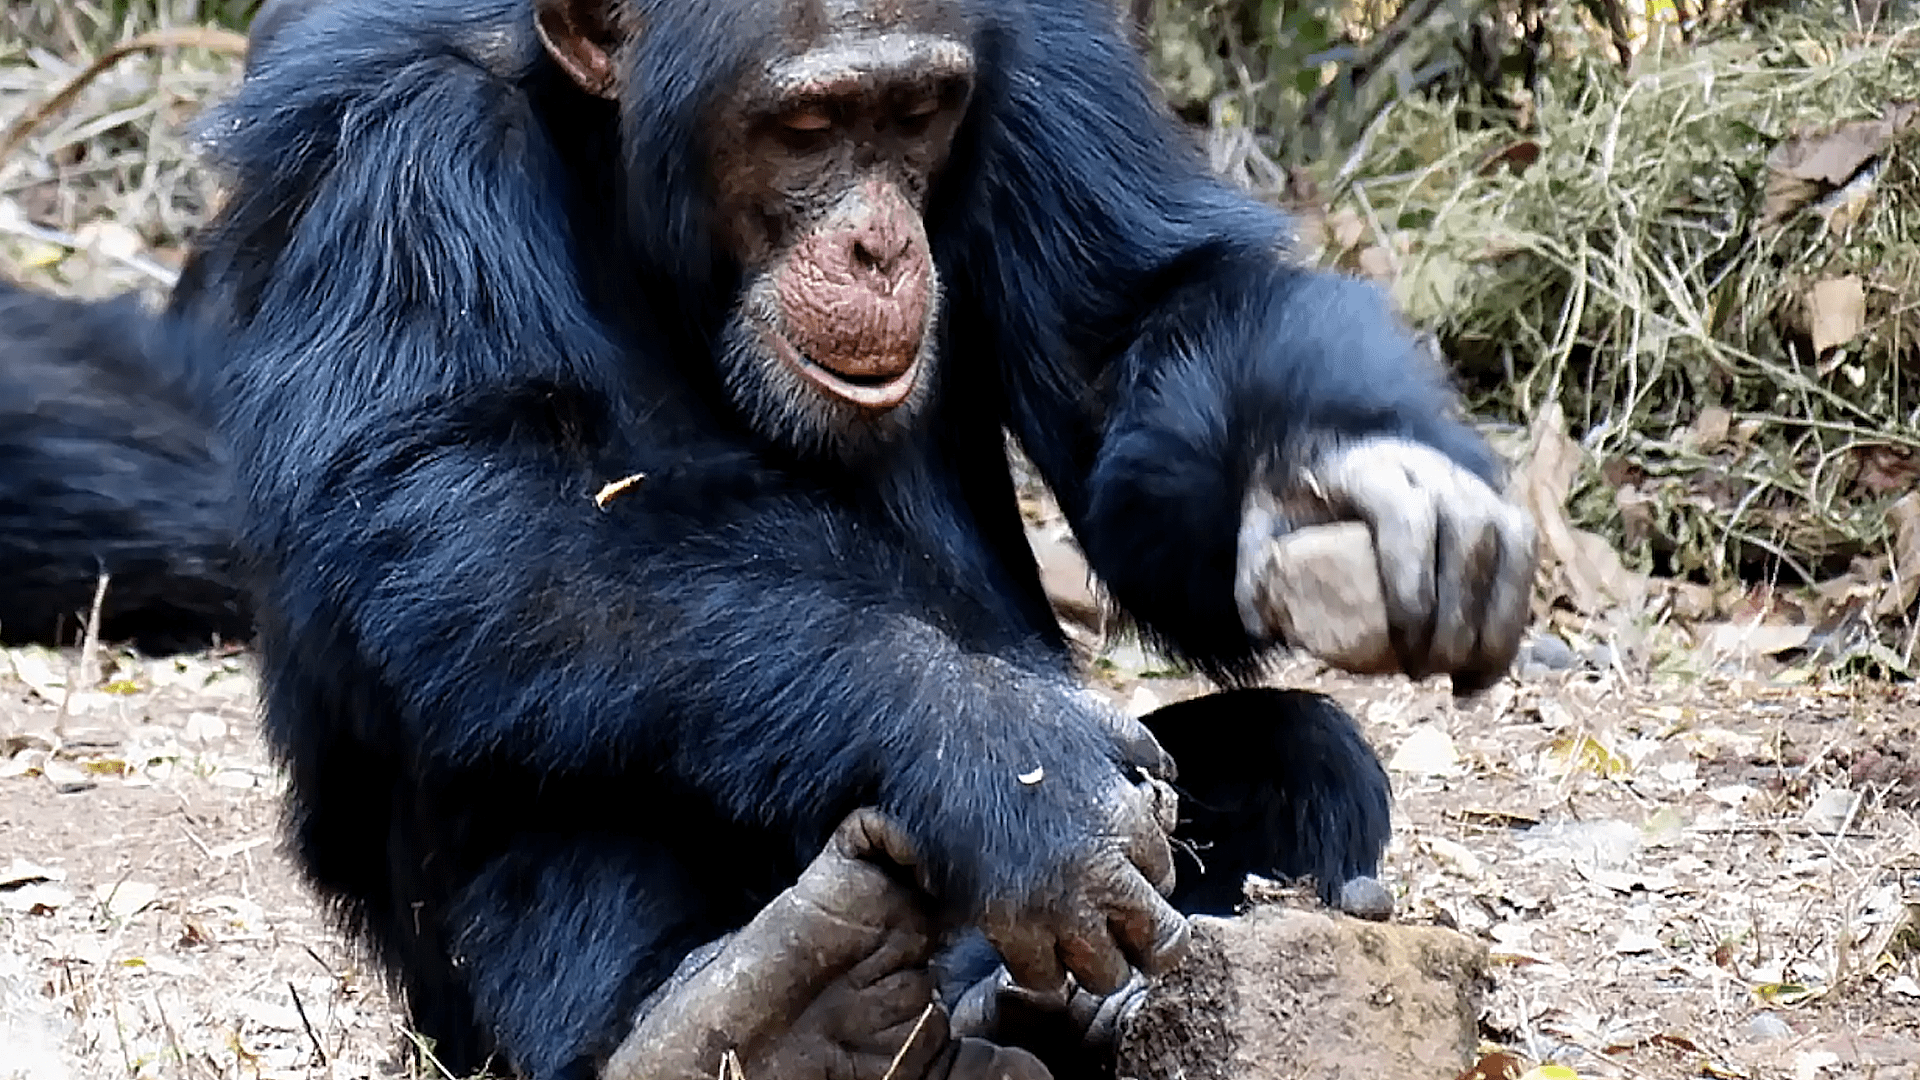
(619, 402)
(108, 465)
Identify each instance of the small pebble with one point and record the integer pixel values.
(1366, 898)
(1766, 1026)
(1548, 651)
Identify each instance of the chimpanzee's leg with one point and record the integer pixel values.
(1278, 783)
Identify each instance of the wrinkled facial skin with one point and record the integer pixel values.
(821, 164)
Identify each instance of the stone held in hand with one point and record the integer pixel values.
(1320, 587)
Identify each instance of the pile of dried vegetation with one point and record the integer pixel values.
(1710, 263)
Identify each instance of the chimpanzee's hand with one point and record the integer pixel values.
(1456, 559)
(828, 982)
(1101, 912)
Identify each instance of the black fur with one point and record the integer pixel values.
(1283, 785)
(107, 462)
(539, 750)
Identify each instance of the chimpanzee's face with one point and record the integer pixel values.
(821, 168)
(821, 156)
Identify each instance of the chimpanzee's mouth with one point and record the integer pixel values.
(878, 392)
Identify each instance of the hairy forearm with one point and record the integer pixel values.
(1233, 382)
(718, 657)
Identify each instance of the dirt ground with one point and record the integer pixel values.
(1700, 878)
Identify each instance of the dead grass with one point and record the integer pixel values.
(104, 190)
(1663, 254)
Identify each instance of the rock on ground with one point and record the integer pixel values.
(1285, 993)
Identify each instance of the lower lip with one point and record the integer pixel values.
(876, 397)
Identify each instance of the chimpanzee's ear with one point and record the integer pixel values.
(584, 37)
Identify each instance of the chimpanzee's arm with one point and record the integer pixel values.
(760, 644)
(774, 651)
(1161, 357)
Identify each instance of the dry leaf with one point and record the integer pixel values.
(43, 670)
(41, 255)
(1428, 751)
(1633, 942)
(1376, 264)
(67, 779)
(1812, 1063)
(37, 899)
(1751, 639)
(1831, 810)
(1458, 855)
(109, 238)
(1624, 881)
(204, 727)
(614, 489)
(1900, 594)
(20, 872)
(1807, 166)
(1516, 156)
(1884, 470)
(1584, 753)
(125, 899)
(1833, 156)
(268, 1015)
(1581, 565)
(1840, 210)
(1710, 428)
(1497, 1065)
(1836, 311)
(1347, 228)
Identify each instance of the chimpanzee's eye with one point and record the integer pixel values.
(807, 118)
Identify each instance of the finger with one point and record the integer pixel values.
(912, 1048)
(1165, 803)
(871, 835)
(977, 1059)
(849, 887)
(1027, 947)
(1253, 597)
(1149, 930)
(1018, 1008)
(1404, 521)
(1381, 484)
(904, 948)
(884, 1012)
(977, 1012)
(1466, 559)
(1090, 952)
(1133, 742)
(1503, 622)
(1083, 1006)
(1101, 1029)
(1148, 846)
